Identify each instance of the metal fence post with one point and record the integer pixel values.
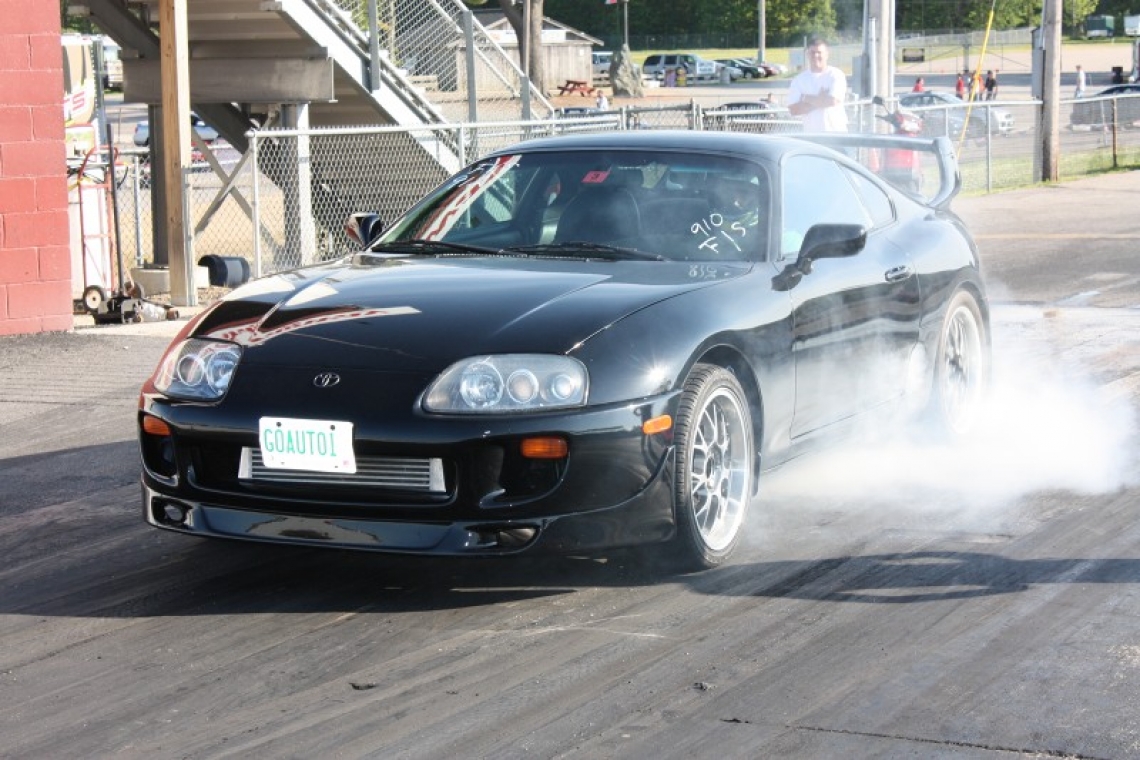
(189, 265)
(989, 150)
(373, 46)
(256, 192)
(137, 196)
(469, 45)
(1115, 132)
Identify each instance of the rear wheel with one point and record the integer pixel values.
(961, 369)
(713, 482)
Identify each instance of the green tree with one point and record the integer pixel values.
(790, 19)
(77, 24)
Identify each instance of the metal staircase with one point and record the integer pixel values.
(417, 64)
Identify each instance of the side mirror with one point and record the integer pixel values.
(833, 241)
(823, 241)
(363, 227)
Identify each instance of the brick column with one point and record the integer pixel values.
(35, 260)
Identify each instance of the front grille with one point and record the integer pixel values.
(423, 476)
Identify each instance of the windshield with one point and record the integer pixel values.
(683, 207)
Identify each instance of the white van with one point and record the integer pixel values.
(601, 60)
(696, 68)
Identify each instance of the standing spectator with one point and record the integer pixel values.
(991, 84)
(1082, 82)
(919, 85)
(603, 102)
(670, 77)
(960, 87)
(976, 85)
(817, 93)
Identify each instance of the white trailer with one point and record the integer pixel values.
(1132, 26)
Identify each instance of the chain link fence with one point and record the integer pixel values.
(300, 187)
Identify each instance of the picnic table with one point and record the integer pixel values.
(581, 87)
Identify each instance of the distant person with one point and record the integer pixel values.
(670, 77)
(1082, 82)
(975, 85)
(919, 85)
(817, 94)
(960, 87)
(991, 84)
(603, 102)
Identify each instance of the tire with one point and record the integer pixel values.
(961, 369)
(713, 479)
(94, 299)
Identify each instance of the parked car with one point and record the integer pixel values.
(734, 71)
(696, 68)
(1097, 110)
(601, 60)
(574, 343)
(944, 113)
(773, 69)
(205, 131)
(747, 69)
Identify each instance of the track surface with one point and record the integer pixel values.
(892, 600)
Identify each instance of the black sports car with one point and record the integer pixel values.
(574, 343)
(1117, 104)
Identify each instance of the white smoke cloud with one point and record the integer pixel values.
(1060, 417)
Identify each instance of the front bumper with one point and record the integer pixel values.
(647, 517)
(614, 488)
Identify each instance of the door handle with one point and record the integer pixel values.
(897, 274)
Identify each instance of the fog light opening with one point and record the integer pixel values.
(173, 513)
(504, 536)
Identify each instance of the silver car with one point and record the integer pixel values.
(944, 114)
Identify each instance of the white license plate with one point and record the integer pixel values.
(314, 445)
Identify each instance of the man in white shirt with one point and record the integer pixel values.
(817, 94)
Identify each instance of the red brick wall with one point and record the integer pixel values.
(35, 259)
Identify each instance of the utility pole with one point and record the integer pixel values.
(761, 30)
(879, 49)
(625, 21)
(1050, 90)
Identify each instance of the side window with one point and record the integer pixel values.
(877, 203)
(814, 190)
(653, 60)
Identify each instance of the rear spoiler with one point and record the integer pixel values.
(949, 177)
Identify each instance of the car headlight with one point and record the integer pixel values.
(508, 383)
(199, 370)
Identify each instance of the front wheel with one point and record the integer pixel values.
(961, 369)
(713, 481)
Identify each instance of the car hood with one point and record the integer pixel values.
(420, 314)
